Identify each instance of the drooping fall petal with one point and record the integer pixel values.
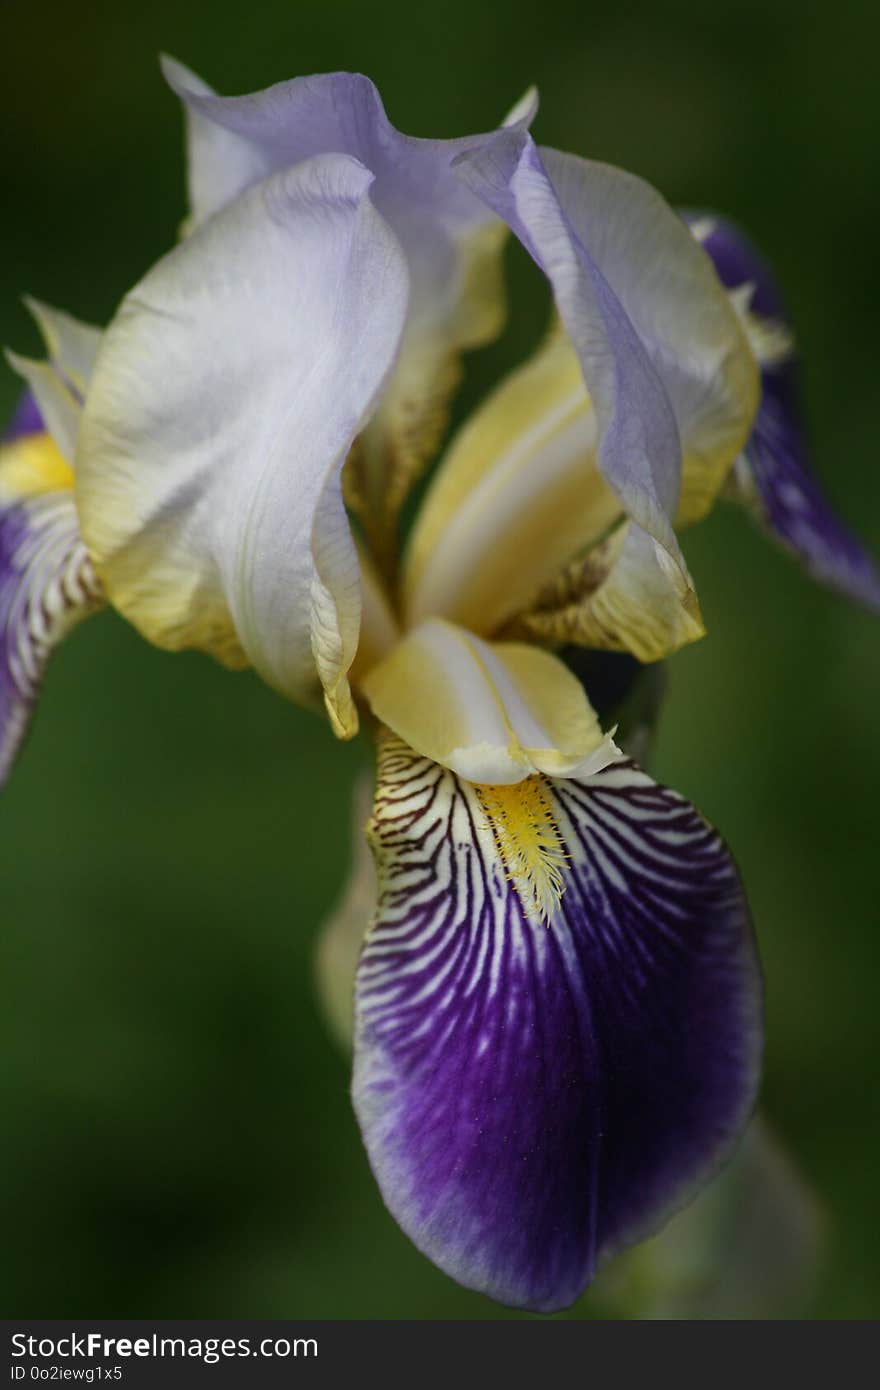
(536, 1092)
(774, 475)
(47, 582)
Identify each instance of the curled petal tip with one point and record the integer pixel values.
(181, 79)
(525, 110)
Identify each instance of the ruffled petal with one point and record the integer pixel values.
(534, 1094)
(453, 245)
(774, 475)
(226, 396)
(492, 712)
(47, 583)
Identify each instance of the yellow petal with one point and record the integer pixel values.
(31, 465)
(517, 495)
(633, 597)
(494, 713)
(379, 626)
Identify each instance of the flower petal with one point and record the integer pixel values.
(774, 475)
(492, 712)
(47, 583)
(534, 1096)
(638, 437)
(517, 494)
(663, 354)
(26, 419)
(59, 385)
(71, 344)
(225, 399)
(629, 596)
(452, 243)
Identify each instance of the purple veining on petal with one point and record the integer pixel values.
(26, 419)
(776, 469)
(47, 584)
(534, 1096)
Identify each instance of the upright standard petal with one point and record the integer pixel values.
(492, 712)
(663, 354)
(535, 1095)
(451, 241)
(774, 475)
(47, 583)
(225, 399)
(638, 446)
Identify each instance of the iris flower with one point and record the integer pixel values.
(557, 1016)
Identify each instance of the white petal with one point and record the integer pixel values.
(60, 383)
(225, 399)
(452, 242)
(71, 344)
(58, 406)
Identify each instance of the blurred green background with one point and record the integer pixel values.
(177, 1135)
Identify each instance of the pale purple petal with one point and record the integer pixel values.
(639, 448)
(534, 1095)
(451, 240)
(235, 141)
(775, 473)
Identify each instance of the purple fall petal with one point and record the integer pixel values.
(534, 1095)
(26, 419)
(775, 471)
(737, 260)
(791, 502)
(47, 583)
